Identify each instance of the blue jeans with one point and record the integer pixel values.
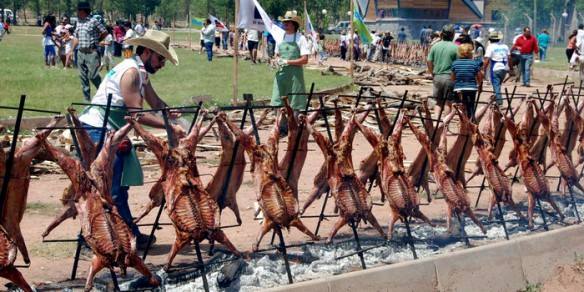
(497, 78)
(542, 53)
(209, 49)
(224, 39)
(525, 67)
(119, 192)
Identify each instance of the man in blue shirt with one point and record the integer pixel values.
(402, 36)
(543, 39)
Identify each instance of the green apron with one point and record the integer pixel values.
(289, 79)
(132, 174)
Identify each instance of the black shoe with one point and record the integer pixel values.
(142, 241)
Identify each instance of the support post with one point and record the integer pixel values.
(201, 266)
(410, 238)
(283, 250)
(358, 242)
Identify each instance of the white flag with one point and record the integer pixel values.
(309, 27)
(253, 16)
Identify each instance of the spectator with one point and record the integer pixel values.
(543, 40)
(156, 25)
(88, 34)
(356, 46)
(402, 36)
(423, 36)
(252, 44)
(202, 39)
(370, 48)
(320, 48)
(527, 46)
(440, 59)
(130, 34)
(467, 77)
(225, 38)
(118, 39)
(2, 31)
(67, 43)
(497, 62)
(208, 38)
(217, 37)
(139, 29)
(387, 38)
(579, 44)
(60, 29)
(271, 44)
(49, 40)
(108, 54)
(571, 47)
(343, 42)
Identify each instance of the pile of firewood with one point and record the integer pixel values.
(366, 75)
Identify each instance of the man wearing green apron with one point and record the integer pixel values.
(292, 54)
(129, 86)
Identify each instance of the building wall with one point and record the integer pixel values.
(459, 12)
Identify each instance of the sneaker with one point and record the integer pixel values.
(142, 241)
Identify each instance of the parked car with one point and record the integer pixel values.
(341, 25)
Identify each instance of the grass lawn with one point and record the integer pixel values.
(556, 59)
(23, 72)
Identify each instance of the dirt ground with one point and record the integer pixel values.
(51, 262)
(566, 278)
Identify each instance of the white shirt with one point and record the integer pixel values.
(130, 34)
(59, 29)
(139, 29)
(580, 40)
(300, 41)
(343, 40)
(209, 33)
(111, 85)
(498, 53)
(253, 35)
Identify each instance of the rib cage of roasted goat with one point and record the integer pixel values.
(192, 210)
(395, 184)
(452, 189)
(499, 183)
(104, 230)
(534, 179)
(351, 197)
(14, 205)
(275, 196)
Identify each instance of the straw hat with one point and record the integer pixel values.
(291, 16)
(157, 41)
(495, 35)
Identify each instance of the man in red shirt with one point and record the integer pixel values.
(528, 47)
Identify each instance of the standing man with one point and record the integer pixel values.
(88, 34)
(527, 46)
(139, 28)
(130, 86)
(253, 39)
(497, 56)
(543, 40)
(402, 36)
(423, 37)
(343, 44)
(292, 53)
(440, 60)
(208, 34)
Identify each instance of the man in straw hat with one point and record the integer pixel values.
(497, 56)
(129, 85)
(292, 53)
(88, 33)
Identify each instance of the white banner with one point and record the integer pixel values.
(253, 16)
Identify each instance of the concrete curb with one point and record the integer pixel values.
(502, 266)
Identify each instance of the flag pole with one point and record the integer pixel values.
(235, 53)
(352, 36)
(190, 33)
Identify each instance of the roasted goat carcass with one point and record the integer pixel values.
(418, 170)
(492, 129)
(296, 125)
(87, 153)
(531, 125)
(14, 205)
(560, 156)
(499, 183)
(395, 184)
(104, 230)
(368, 167)
(534, 179)
(320, 182)
(351, 197)
(453, 190)
(275, 196)
(192, 210)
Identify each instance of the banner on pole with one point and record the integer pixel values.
(360, 27)
(309, 28)
(253, 16)
(220, 26)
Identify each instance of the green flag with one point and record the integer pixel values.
(197, 23)
(360, 26)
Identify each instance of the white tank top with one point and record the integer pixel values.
(111, 85)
